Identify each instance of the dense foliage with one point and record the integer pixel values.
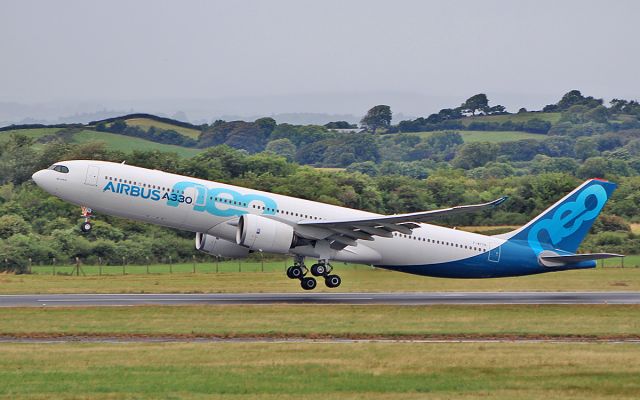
(38, 226)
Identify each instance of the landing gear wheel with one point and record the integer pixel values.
(318, 269)
(308, 283)
(332, 281)
(85, 227)
(295, 272)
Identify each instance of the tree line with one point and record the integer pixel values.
(36, 225)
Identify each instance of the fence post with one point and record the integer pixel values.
(54, 266)
(124, 262)
(239, 266)
(99, 266)
(621, 262)
(194, 263)
(77, 266)
(217, 261)
(170, 266)
(147, 257)
(261, 262)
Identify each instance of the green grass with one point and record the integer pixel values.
(32, 133)
(551, 117)
(589, 321)
(489, 136)
(112, 141)
(319, 371)
(354, 279)
(147, 123)
(128, 144)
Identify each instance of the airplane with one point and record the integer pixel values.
(231, 221)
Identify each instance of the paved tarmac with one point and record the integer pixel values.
(425, 298)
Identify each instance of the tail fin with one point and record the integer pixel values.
(564, 225)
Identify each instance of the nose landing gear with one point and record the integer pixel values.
(86, 226)
(322, 269)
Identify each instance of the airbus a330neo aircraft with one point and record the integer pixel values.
(231, 221)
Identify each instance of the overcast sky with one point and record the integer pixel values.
(249, 57)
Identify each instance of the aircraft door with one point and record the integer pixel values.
(93, 172)
(494, 254)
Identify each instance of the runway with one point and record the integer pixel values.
(422, 298)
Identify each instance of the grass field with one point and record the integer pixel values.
(128, 144)
(354, 279)
(522, 117)
(32, 133)
(319, 371)
(112, 141)
(318, 321)
(489, 136)
(147, 123)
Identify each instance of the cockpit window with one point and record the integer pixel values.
(59, 168)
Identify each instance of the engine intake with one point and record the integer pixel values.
(219, 247)
(264, 234)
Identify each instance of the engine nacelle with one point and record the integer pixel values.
(219, 247)
(264, 234)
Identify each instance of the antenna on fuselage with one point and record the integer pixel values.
(124, 162)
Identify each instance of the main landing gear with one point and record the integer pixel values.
(86, 226)
(322, 269)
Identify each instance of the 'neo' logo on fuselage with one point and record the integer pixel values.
(220, 202)
(224, 202)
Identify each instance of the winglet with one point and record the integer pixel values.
(499, 201)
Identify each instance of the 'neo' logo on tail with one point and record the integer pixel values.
(569, 217)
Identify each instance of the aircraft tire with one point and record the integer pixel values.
(308, 283)
(295, 272)
(318, 270)
(86, 227)
(332, 281)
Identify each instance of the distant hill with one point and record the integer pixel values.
(149, 117)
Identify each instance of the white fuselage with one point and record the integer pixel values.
(183, 203)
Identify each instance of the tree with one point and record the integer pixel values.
(496, 110)
(283, 147)
(574, 97)
(475, 154)
(118, 126)
(267, 124)
(340, 125)
(377, 117)
(478, 102)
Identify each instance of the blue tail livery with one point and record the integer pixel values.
(564, 225)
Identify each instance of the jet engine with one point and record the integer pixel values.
(219, 247)
(264, 234)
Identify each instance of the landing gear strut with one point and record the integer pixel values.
(322, 269)
(86, 226)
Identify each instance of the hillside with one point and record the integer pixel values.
(112, 141)
(488, 136)
(146, 123)
(552, 117)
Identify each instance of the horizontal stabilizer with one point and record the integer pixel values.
(554, 260)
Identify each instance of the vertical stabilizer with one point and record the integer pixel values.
(564, 225)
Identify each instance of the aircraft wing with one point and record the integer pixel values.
(347, 231)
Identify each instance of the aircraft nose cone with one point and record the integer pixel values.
(37, 177)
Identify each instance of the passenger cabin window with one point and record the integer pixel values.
(60, 168)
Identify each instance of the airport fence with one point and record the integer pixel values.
(77, 268)
(168, 266)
